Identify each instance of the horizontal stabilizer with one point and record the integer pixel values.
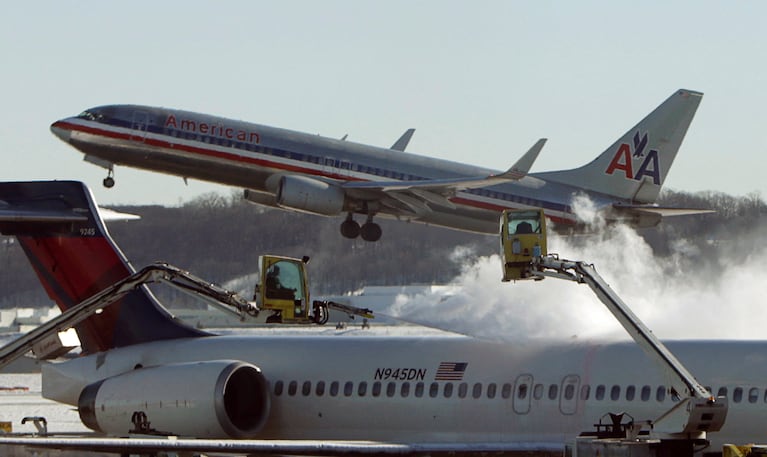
(403, 141)
(113, 215)
(663, 211)
(21, 215)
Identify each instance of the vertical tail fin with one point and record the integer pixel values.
(635, 167)
(58, 226)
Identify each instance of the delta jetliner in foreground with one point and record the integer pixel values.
(330, 177)
(302, 394)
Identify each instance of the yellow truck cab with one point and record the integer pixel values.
(523, 237)
(283, 289)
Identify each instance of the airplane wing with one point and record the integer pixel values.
(417, 195)
(271, 447)
(517, 171)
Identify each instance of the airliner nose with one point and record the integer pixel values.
(60, 131)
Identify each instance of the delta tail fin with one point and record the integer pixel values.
(58, 226)
(635, 167)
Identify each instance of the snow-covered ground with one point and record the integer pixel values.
(20, 397)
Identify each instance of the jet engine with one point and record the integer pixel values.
(211, 399)
(310, 195)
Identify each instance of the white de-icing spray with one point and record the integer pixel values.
(675, 295)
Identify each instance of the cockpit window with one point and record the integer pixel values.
(90, 115)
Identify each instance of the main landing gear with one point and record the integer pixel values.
(370, 231)
(109, 181)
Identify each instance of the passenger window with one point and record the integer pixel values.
(630, 392)
(463, 389)
(433, 390)
(278, 386)
(334, 388)
(538, 391)
(376, 388)
(419, 390)
(362, 389)
(391, 389)
(476, 391)
(660, 394)
(722, 392)
(737, 394)
(615, 393)
(320, 389)
(405, 389)
(447, 391)
(506, 390)
(491, 388)
(292, 388)
(600, 393)
(306, 388)
(646, 393)
(553, 391)
(585, 391)
(348, 388)
(569, 392)
(522, 391)
(753, 394)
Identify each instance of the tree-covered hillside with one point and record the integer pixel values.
(220, 238)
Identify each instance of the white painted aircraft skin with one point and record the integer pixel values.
(554, 418)
(333, 177)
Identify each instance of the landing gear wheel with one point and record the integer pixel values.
(350, 228)
(370, 231)
(109, 181)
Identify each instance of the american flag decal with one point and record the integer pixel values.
(451, 371)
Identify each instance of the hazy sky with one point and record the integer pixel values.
(479, 80)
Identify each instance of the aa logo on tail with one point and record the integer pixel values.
(624, 160)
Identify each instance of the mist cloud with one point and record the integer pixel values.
(682, 295)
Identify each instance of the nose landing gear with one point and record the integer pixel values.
(109, 181)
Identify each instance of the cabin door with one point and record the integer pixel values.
(568, 394)
(523, 392)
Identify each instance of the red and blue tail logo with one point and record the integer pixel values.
(58, 226)
(625, 161)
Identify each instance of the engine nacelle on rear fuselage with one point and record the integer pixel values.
(310, 195)
(211, 399)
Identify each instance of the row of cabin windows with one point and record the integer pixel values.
(478, 390)
(341, 165)
(391, 389)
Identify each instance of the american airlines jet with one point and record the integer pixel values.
(312, 394)
(330, 177)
